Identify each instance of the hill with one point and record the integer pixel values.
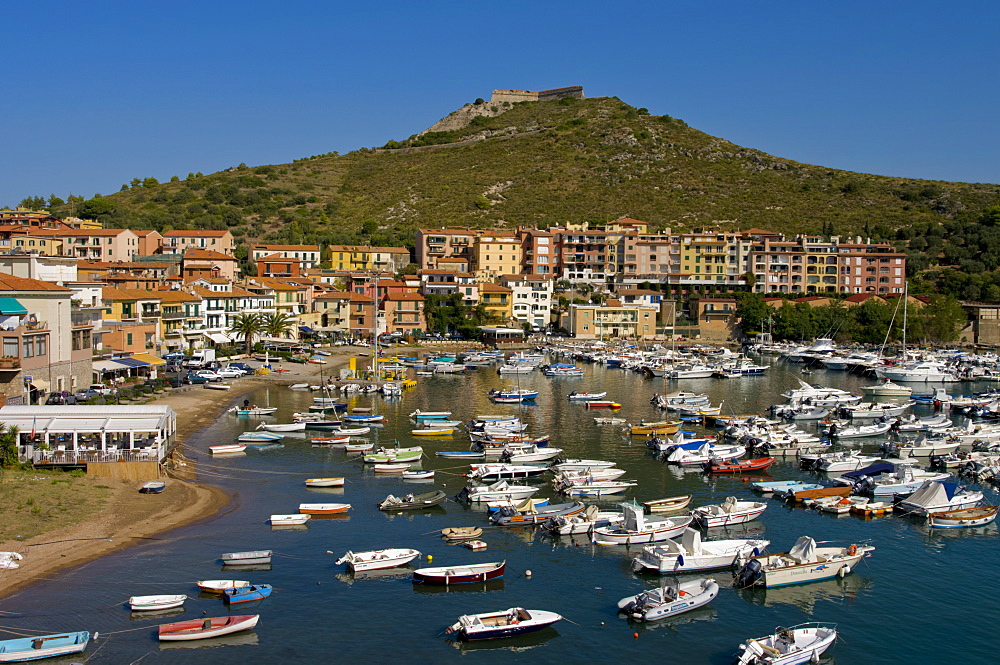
(536, 163)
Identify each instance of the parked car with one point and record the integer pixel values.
(57, 399)
(175, 381)
(101, 388)
(195, 379)
(84, 395)
(247, 369)
(209, 374)
(229, 373)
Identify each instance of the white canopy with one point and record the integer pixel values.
(804, 550)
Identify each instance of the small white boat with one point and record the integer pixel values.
(690, 554)
(324, 482)
(887, 389)
(637, 528)
(251, 558)
(966, 517)
(583, 465)
(669, 504)
(498, 491)
(150, 603)
(392, 468)
(377, 559)
(351, 431)
(597, 488)
(283, 427)
(728, 512)
(668, 601)
(218, 386)
(508, 623)
(803, 563)
(359, 447)
(289, 520)
(227, 449)
(9, 560)
(789, 646)
(218, 586)
(417, 474)
(935, 496)
(857, 431)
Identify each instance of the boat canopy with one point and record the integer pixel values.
(873, 470)
(691, 541)
(933, 493)
(804, 550)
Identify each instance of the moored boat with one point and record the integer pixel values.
(736, 466)
(789, 646)
(323, 508)
(218, 586)
(669, 504)
(150, 603)
(43, 646)
(413, 501)
(690, 553)
(246, 594)
(461, 532)
(200, 629)
(378, 559)
(251, 558)
(965, 517)
(805, 562)
(668, 601)
(325, 482)
(228, 449)
(508, 623)
(289, 520)
(637, 528)
(728, 512)
(466, 574)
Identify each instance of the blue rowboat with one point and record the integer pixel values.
(459, 454)
(246, 594)
(43, 646)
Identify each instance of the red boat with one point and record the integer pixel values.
(330, 439)
(448, 575)
(758, 464)
(602, 404)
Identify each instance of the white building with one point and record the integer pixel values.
(531, 298)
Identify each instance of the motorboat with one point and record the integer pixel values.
(289, 520)
(669, 601)
(597, 488)
(706, 453)
(582, 523)
(638, 528)
(524, 454)
(730, 511)
(857, 431)
(770, 486)
(430, 415)
(843, 461)
(498, 491)
(805, 562)
(149, 603)
(508, 516)
(227, 449)
(887, 389)
(582, 465)
(938, 496)
(378, 559)
(283, 427)
(413, 501)
(488, 472)
(200, 629)
(925, 371)
(565, 478)
(789, 646)
(689, 554)
(251, 558)
(583, 396)
(418, 474)
(739, 466)
(507, 623)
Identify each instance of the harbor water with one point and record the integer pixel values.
(924, 596)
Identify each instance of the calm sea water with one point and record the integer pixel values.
(921, 598)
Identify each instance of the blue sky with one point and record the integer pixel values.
(99, 93)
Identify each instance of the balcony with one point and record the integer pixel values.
(10, 364)
(36, 325)
(150, 313)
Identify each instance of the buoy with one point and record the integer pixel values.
(843, 571)
(635, 636)
(430, 557)
(602, 623)
(527, 573)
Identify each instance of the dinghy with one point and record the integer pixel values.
(789, 646)
(150, 603)
(324, 482)
(668, 505)
(461, 532)
(668, 601)
(418, 474)
(530, 515)
(289, 520)
(965, 517)
(153, 487)
(413, 501)
(508, 623)
(246, 594)
(228, 449)
(395, 468)
(251, 558)
(468, 574)
(284, 427)
(690, 554)
(323, 508)
(378, 559)
(218, 586)
(43, 646)
(745, 466)
(498, 491)
(200, 629)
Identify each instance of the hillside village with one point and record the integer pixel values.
(83, 304)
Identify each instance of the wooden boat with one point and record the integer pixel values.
(745, 466)
(789, 646)
(531, 515)
(289, 519)
(378, 559)
(246, 594)
(662, 428)
(218, 586)
(217, 386)
(43, 646)
(689, 554)
(323, 508)
(251, 558)
(257, 411)
(669, 601)
(329, 440)
(359, 447)
(430, 415)
(200, 629)
(412, 501)
(872, 509)
(284, 427)
(468, 574)
(668, 505)
(151, 603)
(227, 449)
(508, 623)
(153, 487)
(802, 495)
(324, 482)
(461, 532)
(433, 431)
(966, 517)
(418, 474)
(728, 512)
(803, 563)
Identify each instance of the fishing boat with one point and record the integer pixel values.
(323, 508)
(218, 586)
(745, 466)
(378, 559)
(582, 465)
(805, 562)
(324, 482)
(461, 532)
(283, 427)
(583, 396)
(508, 623)
(531, 515)
(227, 449)
(488, 472)
(669, 601)
(43, 646)
(789, 646)
(153, 487)
(418, 474)
(149, 604)
(412, 501)
(251, 558)
(289, 520)
(329, 440)
(965, 517)
(689, 554)
(497, 491)
(668, 505)
(731, 511)
(246, 594)
(461, 454)
(637, 528)
(938, 496)
(200, 629)
(467, 574)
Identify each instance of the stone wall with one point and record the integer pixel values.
(512, 96)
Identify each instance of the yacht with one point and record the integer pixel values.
(925, 371)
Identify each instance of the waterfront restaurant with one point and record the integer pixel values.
(75, 435)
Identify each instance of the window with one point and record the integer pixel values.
(10, 347)
(29, 347)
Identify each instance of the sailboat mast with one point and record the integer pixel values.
(905, 298)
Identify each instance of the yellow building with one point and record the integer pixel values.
(498, 301)
(44, 245)
(181, 316)
(493, 256)
(350, 258)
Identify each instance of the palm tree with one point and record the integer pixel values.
(8, 445)
(248, 326)
(277, 325)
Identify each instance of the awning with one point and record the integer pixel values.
(11, 306)
(40, 384)
(218, 338)
(130, 362)
(107, 366)
(305, 329)
(149, 358)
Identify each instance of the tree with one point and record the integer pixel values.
(248, 327)
(277, 325)
(32, 202)
(8, 445)
(752, 312)
(750, 279)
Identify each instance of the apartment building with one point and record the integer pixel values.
(96, 244)
(434, 244)
(445, 283)
(176, 242)
(583, 256)
(497, 300)
(402, 313)
(538, 252)
(197, 263)
(496, 255)
(307, 256)
(531, 299)
(610, 320)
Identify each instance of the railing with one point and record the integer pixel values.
(151, 454)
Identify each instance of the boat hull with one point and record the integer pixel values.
(460, 574)
(43, 646)
(198, 630)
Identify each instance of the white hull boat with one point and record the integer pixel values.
(789, 646)
(597, 488)
(937, 496)
(669, 601)
(218, 586)
(152, 603)
(802, 564)
(638, 528)
(284, 427)
(289, 520)
(690, 554)
(498, 491)
(728, 512)
(378, 559)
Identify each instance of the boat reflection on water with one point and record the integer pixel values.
(477, 587)
(703, 613)
(414, 514)
(933, 535)
(248, 638)
(334, 517)
(378, 574)
(160, 614)
(289, 527)
(746, 531)
(325, 490)
(805, 596)
(514, 644)
(246, 569)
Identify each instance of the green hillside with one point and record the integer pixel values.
(541, 163)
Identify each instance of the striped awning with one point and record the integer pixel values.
(130, 362)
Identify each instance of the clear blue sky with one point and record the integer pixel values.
(97, 93)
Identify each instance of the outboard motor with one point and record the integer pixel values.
(748, 575)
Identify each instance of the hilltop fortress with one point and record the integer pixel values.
(500, 102)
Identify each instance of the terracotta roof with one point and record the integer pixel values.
(112, 293)
(12, 283)
(334, 295)
(79, 232)
(715, 299)
(612, 302)
(177, 296)
(811, 298)
(490, 287)
(404, 296)
(638, 292)
(452, 259)
(287, 248)
(194, 233)
(210, 280)
(142, 233)
(533, 277)
(196, 254)
(278, 258)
